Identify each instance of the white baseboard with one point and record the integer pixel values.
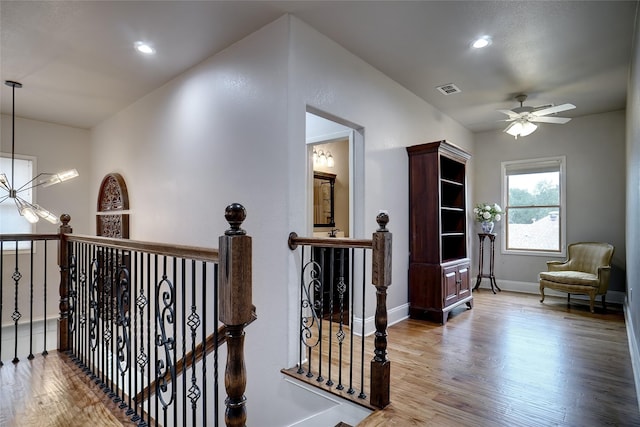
(37, 342)
(614, 297)
(394, 315)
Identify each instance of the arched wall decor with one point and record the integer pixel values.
(113, 197)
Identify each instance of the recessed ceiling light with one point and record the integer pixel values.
(145, 48)
(481, 42)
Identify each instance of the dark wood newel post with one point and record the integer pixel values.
(381, 278)
(63, 262)
(235, 309)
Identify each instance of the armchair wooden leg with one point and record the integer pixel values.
(541, 292)
(592, 300)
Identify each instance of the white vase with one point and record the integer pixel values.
(487, 226)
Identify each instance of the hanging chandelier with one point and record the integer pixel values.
(30, 212)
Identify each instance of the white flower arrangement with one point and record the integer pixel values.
(486, 212)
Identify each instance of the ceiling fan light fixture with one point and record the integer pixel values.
(528, 128)
(521, 128)
(514, 129)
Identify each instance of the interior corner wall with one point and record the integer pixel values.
(633, 202)
(233, 129)
(594, 147)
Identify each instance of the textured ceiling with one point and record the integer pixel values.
(77, 65)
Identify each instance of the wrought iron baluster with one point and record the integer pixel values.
(319, 307)
(31, 356)
(152, 355)
(183, 322)
(165, 317)
(72, 292)
(138, 261)
(300, 354)
(351, 390)
(194, 322)
(330, 333)
(93, 307)
(175, 335)
(309, 318)
(44, 296)
(340, 335)
(216, 393)
(83, 341)
(362, 394)
(124, 323)
(16, 313)
(107, 309)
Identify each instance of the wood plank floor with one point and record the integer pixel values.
(51, 391)
(510, 361)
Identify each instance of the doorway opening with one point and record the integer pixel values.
(334, 158)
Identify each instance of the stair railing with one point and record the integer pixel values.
(143, 318)
(330, 274)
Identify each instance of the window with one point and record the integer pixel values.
(10, 220)
(533, 196)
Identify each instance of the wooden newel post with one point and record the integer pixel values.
(235, 309)
(63, 262)
(381, 278)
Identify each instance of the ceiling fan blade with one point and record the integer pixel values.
(511, 114)
(558, 120)
(554, 109)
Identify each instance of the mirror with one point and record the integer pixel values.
(323, 203)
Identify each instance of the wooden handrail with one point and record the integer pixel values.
(328, 242)
(181, 365)
(165, 249)
(23, 237)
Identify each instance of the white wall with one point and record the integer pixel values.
(233, 129)
(595, 156)
(633, 206)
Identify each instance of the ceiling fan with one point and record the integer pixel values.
(523, 118)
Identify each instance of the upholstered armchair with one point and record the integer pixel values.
(586, 271)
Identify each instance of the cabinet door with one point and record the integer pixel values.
(463, 277)
(450, 285)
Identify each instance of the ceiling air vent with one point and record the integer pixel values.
(448, 89)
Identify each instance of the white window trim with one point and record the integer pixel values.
(563, 206)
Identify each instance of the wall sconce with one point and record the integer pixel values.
(330, 162)
(322, 159)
